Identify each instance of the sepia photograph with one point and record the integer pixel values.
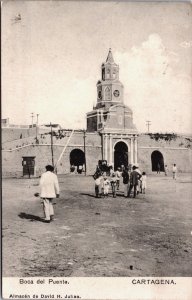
(96, 136)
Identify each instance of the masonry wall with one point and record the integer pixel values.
(15, 150)
(10, 134)
(119, 118)
(92, 124)
(177, 150)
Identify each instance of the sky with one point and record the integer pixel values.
(52, 53)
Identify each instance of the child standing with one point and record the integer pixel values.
(98, 186)
(105, 187)
(143, 182)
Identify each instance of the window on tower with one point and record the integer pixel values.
(107, 93)
(99, 95)
(103, 74)
(107, 74)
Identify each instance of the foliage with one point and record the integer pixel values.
(163, 136)
(57, 134)
(189, 140)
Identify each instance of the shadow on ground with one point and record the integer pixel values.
(110, 195)
(32, 218)
(90, 195)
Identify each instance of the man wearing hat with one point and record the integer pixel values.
(49, 187)
(135, 176)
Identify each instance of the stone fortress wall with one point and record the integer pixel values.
(174, 149)
(16, 133)
(14, 151)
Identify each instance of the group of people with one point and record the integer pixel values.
(166, 170)
(131, 180)
(76, 169)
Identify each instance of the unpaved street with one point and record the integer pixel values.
(147, 236)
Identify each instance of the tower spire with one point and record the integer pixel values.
(110, 57)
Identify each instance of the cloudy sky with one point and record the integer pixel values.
(52, 52)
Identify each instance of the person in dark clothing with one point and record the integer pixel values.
(98, 170)
(135, 176)
(125, 176)
(158, 168)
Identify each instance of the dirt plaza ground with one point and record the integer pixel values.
(147, 236)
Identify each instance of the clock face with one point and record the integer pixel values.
(116, 93)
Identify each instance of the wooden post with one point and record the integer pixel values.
(84, 137)
(52, 146)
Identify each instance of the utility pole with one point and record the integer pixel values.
(148, 124)
(102, 137)
(37, 126)
(84, 137)
(32, 116)
(37, 119)
(52, 145)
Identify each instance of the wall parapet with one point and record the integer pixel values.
(58, 145)
(161, 147)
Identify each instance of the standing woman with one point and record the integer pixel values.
(125, 176)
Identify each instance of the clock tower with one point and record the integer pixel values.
(112, 119)
(109, 88)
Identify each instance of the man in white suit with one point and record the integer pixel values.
(49, 187)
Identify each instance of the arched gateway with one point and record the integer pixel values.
(120, 155)
(157, 158)
(77, 158)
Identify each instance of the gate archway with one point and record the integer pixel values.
(77, 158)
(120, 155)
(157, 159)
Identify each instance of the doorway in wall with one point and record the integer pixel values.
(157, 160)
(120, 155)
(77, 160)
(28, 164)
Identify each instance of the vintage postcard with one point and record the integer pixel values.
(96, 150)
